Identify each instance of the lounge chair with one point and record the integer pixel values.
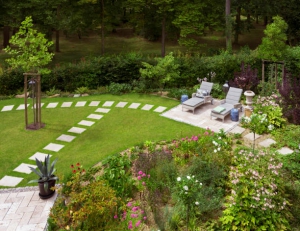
(232, 101)
(202, 96)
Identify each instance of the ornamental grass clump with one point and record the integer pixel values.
(256, 200)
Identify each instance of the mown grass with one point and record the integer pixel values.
(120, 129)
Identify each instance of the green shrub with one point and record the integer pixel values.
(178, 92)
(119, 88)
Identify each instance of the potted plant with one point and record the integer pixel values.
(47, 179)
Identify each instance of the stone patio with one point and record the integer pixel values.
(201, 117)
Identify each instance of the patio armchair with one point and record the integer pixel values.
(202, 96)
(231, 101)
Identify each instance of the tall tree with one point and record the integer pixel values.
(228, 27)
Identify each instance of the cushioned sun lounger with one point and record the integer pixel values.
(202, 96)
(232, 101)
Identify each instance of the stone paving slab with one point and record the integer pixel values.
(134, 105)
(102, 110)
(52, 105)
(108, 103)
(77, 130)
(54, 147)
(10, 181)
(95, 116)
(160, 109)
(267, 143)
(39, 155)
(285, 151)
(147, 107)
(42, 104)
(80, 104)
(22, 107)
(86, 123)
(94, 103)
(237, 130)
(24, 210)
(66, 104)
(24, 168)
(66, 138)
(76, 95)
(7, 108)
(121, 104)
(250, 136)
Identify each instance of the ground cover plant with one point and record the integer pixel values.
(116, 131)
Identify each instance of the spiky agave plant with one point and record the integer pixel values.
(45, 171)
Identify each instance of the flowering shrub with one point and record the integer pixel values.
(269, 106)
(256, 202)
(187, 190)
(141, 180)
(256, 123)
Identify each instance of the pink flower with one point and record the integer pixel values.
(136, 208)
(130, 226)
(139, 177)
(134, 215)
(137, 223)
(143, 183)
(115, 216)
(129, 204)
(143, 175)
(140, 172)
(145, 218)
(148, 175)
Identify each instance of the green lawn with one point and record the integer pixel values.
(118, 130)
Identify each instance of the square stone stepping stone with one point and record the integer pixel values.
(86, 123)
(77, 130)
(76, 95)
(66, 104)
(147, 107)
(102, 110)
(285, 151)
(10, 181)
(160, 109)
(24, 168)
(95, 116)
(80, 104)
(267, 143)
(54, 147)
(121, 104)
(39, 155)
(22, 107)
(237, 130)
(250, 136)
(52, 105)
(108, 103)
(66, 138)
(94, 103)
(42, 104)
(7, 108)
(134, 105)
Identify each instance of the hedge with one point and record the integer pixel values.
(102, 71)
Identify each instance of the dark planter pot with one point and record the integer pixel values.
(45, 194)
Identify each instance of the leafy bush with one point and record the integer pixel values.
(252, 204)
(177, 93)
(119, 88)
(287, 136)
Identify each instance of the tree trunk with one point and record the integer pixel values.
(266, 20)
(102, 28)
(6, 30)
(238, 25)
(163, 37)
(57, 41)
(228, 26)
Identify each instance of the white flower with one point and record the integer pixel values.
(196, 203)
(186, 188)
(196, 181)
(188, 177)
(215, 150)
(178, 179)
(271, 127)
(219, 148)
(200, 183)
(219, 138)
